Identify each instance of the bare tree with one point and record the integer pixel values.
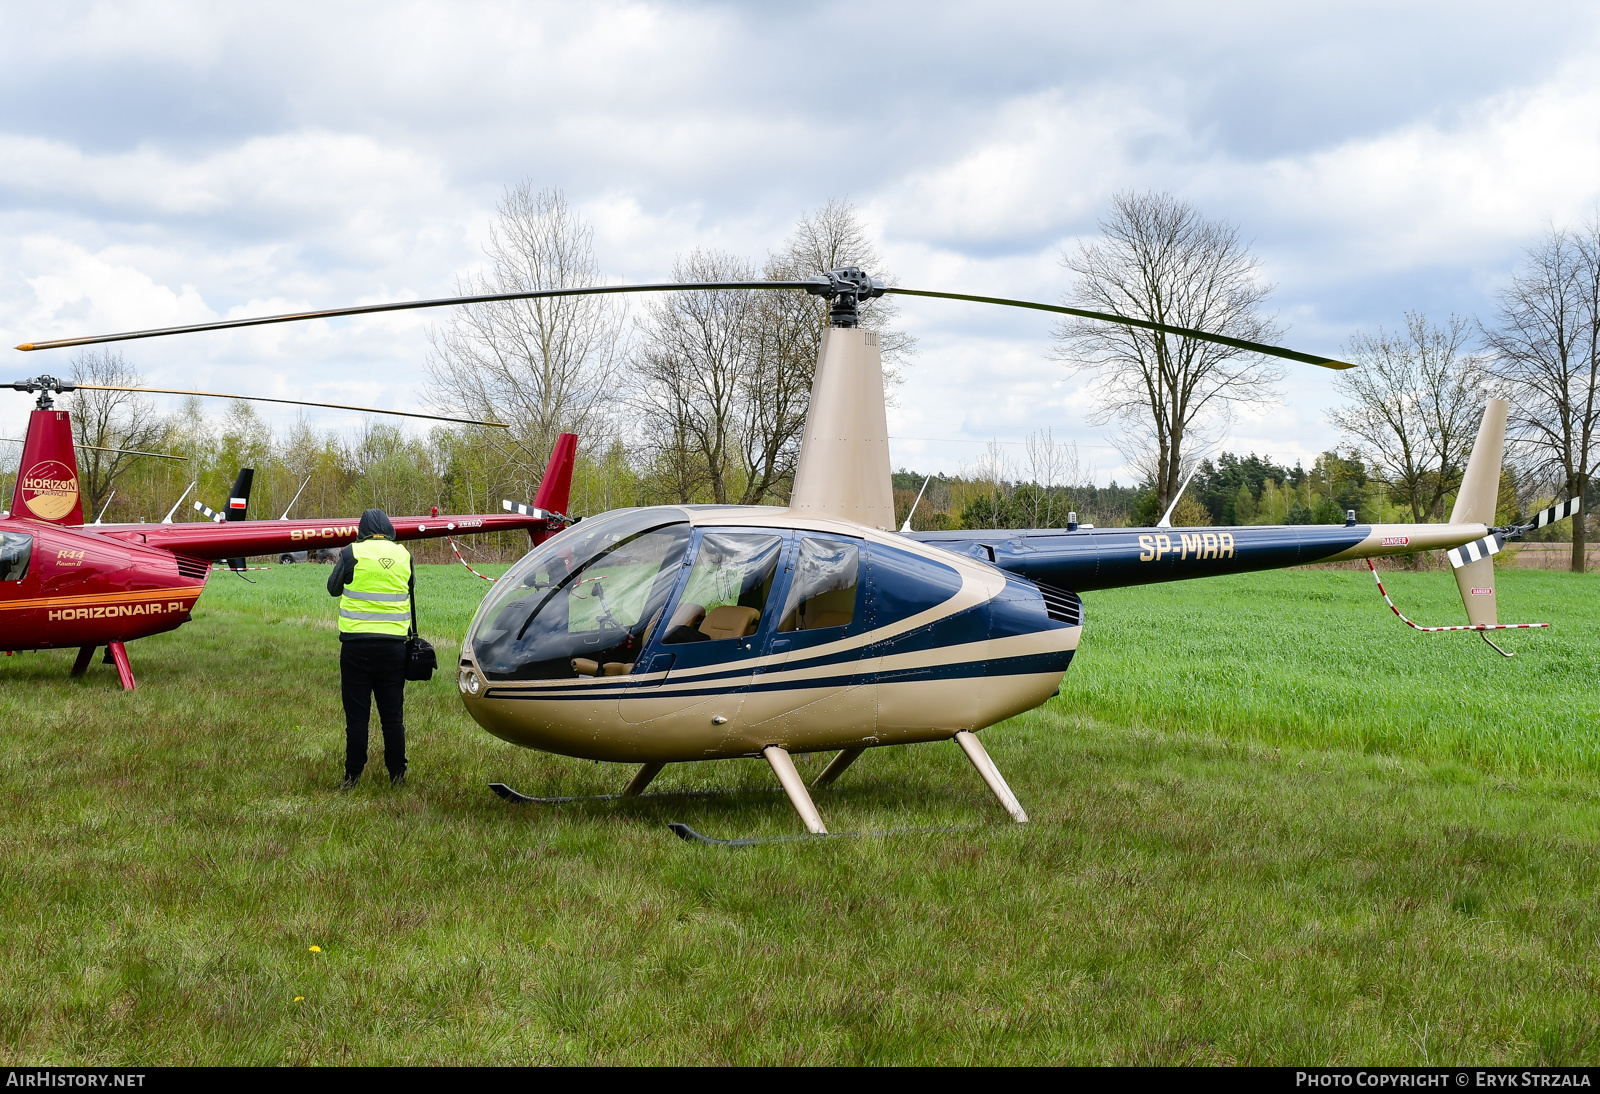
(543, 366)
(103, 420)
(991, 481)
(1415, 401)
(1159, 259)
(697, 363)
(1051, 464)
(1546, 348)
(727, 375)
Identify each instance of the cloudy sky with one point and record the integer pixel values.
(169, 162)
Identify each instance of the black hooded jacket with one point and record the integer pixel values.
(374, 522)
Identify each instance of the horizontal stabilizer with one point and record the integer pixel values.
(1469, 553)
(1555, 513)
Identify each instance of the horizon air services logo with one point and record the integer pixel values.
(50, 490)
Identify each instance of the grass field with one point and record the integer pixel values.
(1270, 825)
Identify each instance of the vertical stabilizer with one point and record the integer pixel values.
(1476, 504)
(47, 477)
(843, 470)
(555, 489)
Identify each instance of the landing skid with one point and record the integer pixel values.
(515, 798)
(684, 832)
(783, 766)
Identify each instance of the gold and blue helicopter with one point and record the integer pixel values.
(682, 633)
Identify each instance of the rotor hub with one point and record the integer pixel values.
(845, 288)
(46, 386)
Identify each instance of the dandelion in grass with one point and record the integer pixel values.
(299, 999)
(316, 949)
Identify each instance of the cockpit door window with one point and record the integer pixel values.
(822, 593)
(16, 552)
(727, 591)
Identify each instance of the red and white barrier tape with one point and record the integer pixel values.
(452, 542)
(1468, 627)
(242, 569)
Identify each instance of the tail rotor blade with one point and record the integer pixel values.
(1554, 513)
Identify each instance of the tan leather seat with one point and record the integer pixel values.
(585, 667)
(827, 619)
(686, 615)
(617, 668)
(730, 621)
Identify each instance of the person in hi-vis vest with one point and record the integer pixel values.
(374, 581)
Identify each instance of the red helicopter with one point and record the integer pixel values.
(65, 584)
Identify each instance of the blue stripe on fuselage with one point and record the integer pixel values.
(1056, 661)
(1111, 558)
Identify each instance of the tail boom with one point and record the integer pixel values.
(1110, 558)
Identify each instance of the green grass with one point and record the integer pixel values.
(1270, 825)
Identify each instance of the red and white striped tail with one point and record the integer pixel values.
(1467, 627)
(452, 542)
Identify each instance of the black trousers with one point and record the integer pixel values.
(373, 667)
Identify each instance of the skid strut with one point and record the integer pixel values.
(783, 767)
(119, 657)
(991, 774)
(836, 767)
(642, 780)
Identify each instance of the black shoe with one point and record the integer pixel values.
(397, 781)
(349, 782)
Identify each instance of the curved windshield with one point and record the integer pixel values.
(584, 603)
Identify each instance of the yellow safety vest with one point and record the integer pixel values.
(377, 598)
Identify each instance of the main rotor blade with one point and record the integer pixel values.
(678, 286)
(97, 448)
(1129, 321)
(291, 402)
(409, 305)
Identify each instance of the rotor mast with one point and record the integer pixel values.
(843, 469)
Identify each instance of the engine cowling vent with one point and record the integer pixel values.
(193, 567)
(1062, 605)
